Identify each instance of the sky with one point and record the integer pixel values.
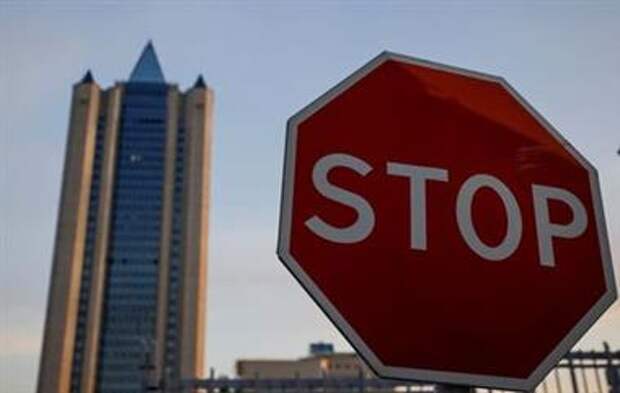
(265, 61)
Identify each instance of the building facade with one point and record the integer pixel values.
(128, 279)
(321, 362)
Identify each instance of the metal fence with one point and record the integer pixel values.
(578, 372)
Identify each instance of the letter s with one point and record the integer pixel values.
(365, 222)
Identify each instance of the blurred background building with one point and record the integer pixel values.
(324, 370)
(321, 361)
(129, 262)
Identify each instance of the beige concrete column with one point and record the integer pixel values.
(64, 290)
(198, 126)
(172, 119)
(106, 187)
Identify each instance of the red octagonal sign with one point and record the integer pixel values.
(448, 231)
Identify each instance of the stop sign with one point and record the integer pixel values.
(447, 230)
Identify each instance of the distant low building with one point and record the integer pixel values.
(321, 361)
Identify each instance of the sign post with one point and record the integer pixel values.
(447, 230)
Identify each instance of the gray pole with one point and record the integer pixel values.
(361, 381)
(447, 388)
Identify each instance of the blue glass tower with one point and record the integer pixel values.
(127, 293)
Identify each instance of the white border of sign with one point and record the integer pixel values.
(386, 371)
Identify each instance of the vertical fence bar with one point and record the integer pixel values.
(611, 372)
(599, 386)
(586, 389)
(558, 382)
(573, 377)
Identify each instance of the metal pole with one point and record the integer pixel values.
(361, 381)
(447, 388)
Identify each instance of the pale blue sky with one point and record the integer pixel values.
(265, 61)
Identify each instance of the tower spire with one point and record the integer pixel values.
(88, 78)
(200, 83)
(147, 69)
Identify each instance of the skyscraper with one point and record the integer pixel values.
(129, 263)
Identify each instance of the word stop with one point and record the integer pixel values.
(418, 177)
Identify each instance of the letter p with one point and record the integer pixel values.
(546, 230)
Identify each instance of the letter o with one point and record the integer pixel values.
(464, 218)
